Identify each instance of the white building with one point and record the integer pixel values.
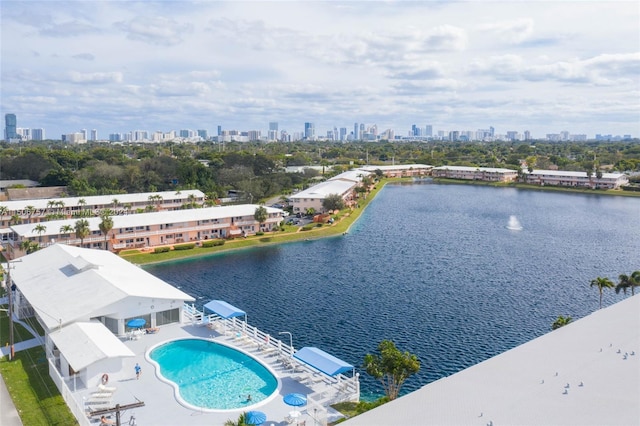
(488, 174)
(83, 299)
(585, 373)
(577, 179)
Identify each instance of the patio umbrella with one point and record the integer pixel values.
(295, 399)
(136, 323)
(255, 418)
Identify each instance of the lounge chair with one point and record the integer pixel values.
(103, 388)
(101, 395)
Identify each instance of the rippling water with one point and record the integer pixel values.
(433, 268)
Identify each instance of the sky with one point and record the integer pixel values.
(118, 66)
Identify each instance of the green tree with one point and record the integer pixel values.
(15, 220)
(628, 281)
(391, 367)
(30, 211)
(602, 283)
(66, 230)
(261, 215)
(106, 225)
(333, 202)
(40, 229)
(242, 421)
(82, 230)
(561, 322)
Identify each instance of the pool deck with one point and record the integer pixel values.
(162, 408)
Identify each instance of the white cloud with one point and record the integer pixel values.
(242, 64)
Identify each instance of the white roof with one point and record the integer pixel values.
(474, 169)
(395, 167)
(323, 189)
(101, 200)
(84, 343)
(65, 284)
(145, 219)
(574, 174)
(526, 385)
(352, 175)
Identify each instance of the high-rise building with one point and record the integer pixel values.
(37, 134)
(343, 133)
(428, 131)
(84, 134)
(309, 131)
(527, 135)
(356, 132)
(11, 127)
(203, 134)
(94, 135)
(273, 131)
(219, 130)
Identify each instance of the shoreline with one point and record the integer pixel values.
(342, 226)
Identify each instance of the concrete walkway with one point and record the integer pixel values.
(8, 413)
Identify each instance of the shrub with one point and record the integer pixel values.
(184, 246)
(259, 233)
(212, 243)
(319, 225)
(307, 227)
(161, 249)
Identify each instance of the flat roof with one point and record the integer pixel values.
(574, 174)
(395, 167)
(585, 373)
(323, 189)
(144, 219)
(101, 200)
(474, 169)
(65, 283)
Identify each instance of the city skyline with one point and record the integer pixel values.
(160, 66)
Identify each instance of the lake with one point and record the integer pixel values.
(434, 268)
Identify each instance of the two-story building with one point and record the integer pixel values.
(146, 229)
(577, 179)
(487, 174)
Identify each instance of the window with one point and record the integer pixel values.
(167, 317)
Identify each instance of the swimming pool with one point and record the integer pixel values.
(211, 376)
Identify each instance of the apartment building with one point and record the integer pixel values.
(400, 170)
(577, 179)
(488, 174)
(45, 209)
(146, 230)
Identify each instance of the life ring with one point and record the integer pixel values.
(105, 379)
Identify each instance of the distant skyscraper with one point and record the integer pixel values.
(356, 132)
(273, 131)
(428, 131)
(219, 130)
(84, 134)
(203, 134)
(343, 133)
(273, 125)
(309, 131)
(10, 129)
(94, 135)
(492, 131)
(527, 135)
(37, 134)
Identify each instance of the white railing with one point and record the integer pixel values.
(77, 410)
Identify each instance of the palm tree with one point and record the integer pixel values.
(105, 226)
(115, 202)
(15, 220)
(602, 283)
(624, 282)
(561, 322)
(66, 230)
(261, 215)
(29, 246)
(40, 229)
(82, 230)
(3, 210)
(30, 211)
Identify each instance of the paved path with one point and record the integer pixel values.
(8, 413)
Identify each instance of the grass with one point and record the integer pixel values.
(291, 233)
(34, 394)
(19, 332)
(351, 409)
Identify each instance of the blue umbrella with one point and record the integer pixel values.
(136, 323)
(295, 399)
(255, 418)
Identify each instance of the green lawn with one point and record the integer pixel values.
(19, 332)
(32, 390)
(291, 233)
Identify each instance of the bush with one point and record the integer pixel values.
(307, 227)
(259, 233)
(319, 225)
(161, 249)
(212, 243)
(184, 246)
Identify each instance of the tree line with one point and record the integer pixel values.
(258, 168)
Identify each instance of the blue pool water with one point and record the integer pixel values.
(213, 376)
(433, 267)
